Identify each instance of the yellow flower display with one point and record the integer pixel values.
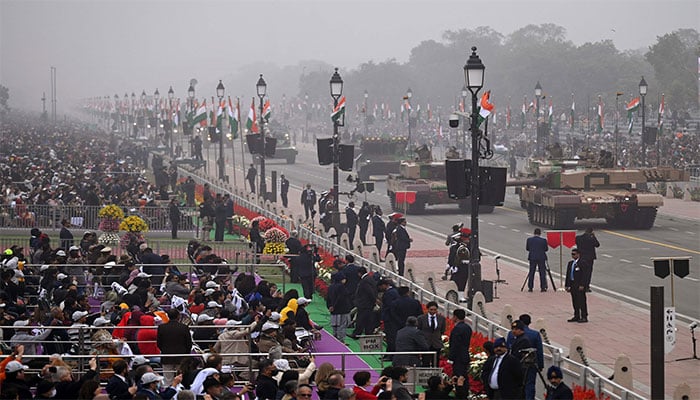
(111, 211)
(133, 223)
(274, 248)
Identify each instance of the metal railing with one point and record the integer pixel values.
(586, 376)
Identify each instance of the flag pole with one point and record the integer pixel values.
(240, 131)
(233, 140)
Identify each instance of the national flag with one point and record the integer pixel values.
(402, 111)
(233, 118)
(267, 111)
(633, 105)
(461, 105)
(523, 113)
(600, 114)
(220, 111)
(485, 108)
(418, 112)
(550, 112)
(508, 117)
(572, 117)
(200, 116)
(661, 114)
(176, 114)
(430, 113)
(252, 123)
(338, 111)
(213, 113)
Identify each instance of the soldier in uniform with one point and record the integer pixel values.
(458, 260)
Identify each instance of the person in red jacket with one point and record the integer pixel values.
(148, 337)
(361, 379)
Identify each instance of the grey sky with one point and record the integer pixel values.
(107, 47)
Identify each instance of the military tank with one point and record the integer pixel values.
(284, 149)
(559, 192)
(379, 156)
(422, 182)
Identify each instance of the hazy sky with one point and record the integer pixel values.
(106, 47)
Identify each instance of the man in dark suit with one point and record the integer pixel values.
(502, 375)
(351, 222)
(586, 244)
(433, 327)
(391, 323)
(402, 242)
(408, 339)
(536, 247)
(119, 386)
(308, 200)
(284, 190)
(173, 338)
(352, 277)
(460, 337)
(378, 229)
(365, 300)
(577, 280)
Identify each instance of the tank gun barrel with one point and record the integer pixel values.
(539, 182)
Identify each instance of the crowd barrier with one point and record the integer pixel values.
(573, 371)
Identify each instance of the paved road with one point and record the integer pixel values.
(623, 268)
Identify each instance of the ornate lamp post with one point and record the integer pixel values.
(540, 139)
(366, 128)
(643, 87)
(156, 98)
(220, 94)
(409, 94)
(305, 137)
(474, 78)
(133, 114)
(336, 84)
(465, 93)
(117, 116)
(261, 88)
(171, 95)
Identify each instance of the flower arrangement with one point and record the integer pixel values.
(109, 225)
(275, 235)
(581, 393)
(241, 221)
(324, 272)
(264, 223)
(133, 223)
(274, 248)
(111, 211)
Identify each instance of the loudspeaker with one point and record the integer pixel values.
(457, 178)
(649, 135)
(270, 146)
(346, 156)
(214, 135)
(487, 290)
(324, 148)
(492, 185)
(254, 143)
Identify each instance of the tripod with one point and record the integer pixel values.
(498, 279)
(695, 353)
(549, 273)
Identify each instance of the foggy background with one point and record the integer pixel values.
(100, 48)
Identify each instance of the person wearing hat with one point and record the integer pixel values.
(24, 337)
(207, 334)
(522, 349)
(74, 332)
(234, 340)
(269, 339)
(458, 261)
(378, 228)
(401, 242)
(15, 381)
(557, 389)
(536, 342)
(151, 386)
(502, 375)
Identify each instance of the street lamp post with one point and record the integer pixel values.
(540, 144)
(474, 77)
(220, 94)
(261, 88)
(132, 121)
(117, 115)
(336, 84)
(465, 93)
(190, 99)
(171, 95)
(156, 98)
(617, 117)
(366, 128)
(409, 94)
(143, 109)
(305, 136)
(643, 87)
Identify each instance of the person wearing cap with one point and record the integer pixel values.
(378, 228)
(557, 389)
(537, 247)
(152, 386)
(458, 260)
(302, 316)
(15, 381)
(502, 375)
(79, 319)
(206, 332)
(389, 231)
(522, 349)
(401, 243)
(535, 340)
(234, 340)
(24, 337)
(173, 337)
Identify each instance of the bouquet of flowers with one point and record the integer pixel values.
(111, 211)
(274, 248)
(240, 220)
(275, 235)
(133, 223)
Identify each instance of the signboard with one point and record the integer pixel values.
(421, 375)
(669, 329)
(371, 343)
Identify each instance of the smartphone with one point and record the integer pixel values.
(53, 370)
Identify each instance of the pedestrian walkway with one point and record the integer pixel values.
(615, 327)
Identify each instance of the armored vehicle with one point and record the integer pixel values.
(562, 191)
(379, 156)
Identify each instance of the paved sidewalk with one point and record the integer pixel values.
(615, 327)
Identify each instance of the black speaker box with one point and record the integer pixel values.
(346, 157)
(457, 178)
(254, 143)
(270, 147)
(324, 148)
(492, 181)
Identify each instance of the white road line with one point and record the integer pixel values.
(503, 226)
(645, 266)
(607, 256)
(673, 229)
(690, 233)
(625, 261)
(515, 230)
(491, 223)
(692, 279)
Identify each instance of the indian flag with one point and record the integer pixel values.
(600, 114)
(661, 115)
(200, 116)
(338, 111)
(631, 108)
(267, 111)
(233, 118)
(550, 112)
(572, 117)
(523, 113)
(485, 108)
(252, 123)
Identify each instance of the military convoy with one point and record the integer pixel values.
(379, 156)
(562, 191)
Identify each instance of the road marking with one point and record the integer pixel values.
(607, 256)
(669, 246)
(491, 223)
(690, 233)
(692, 279)
(673, 229)
(645, 266)
(502, 226)
(515, 230)
(625, 261)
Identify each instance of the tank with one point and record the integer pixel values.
(379, 156)
(421, 183)
(284, 149)
(559, 192)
